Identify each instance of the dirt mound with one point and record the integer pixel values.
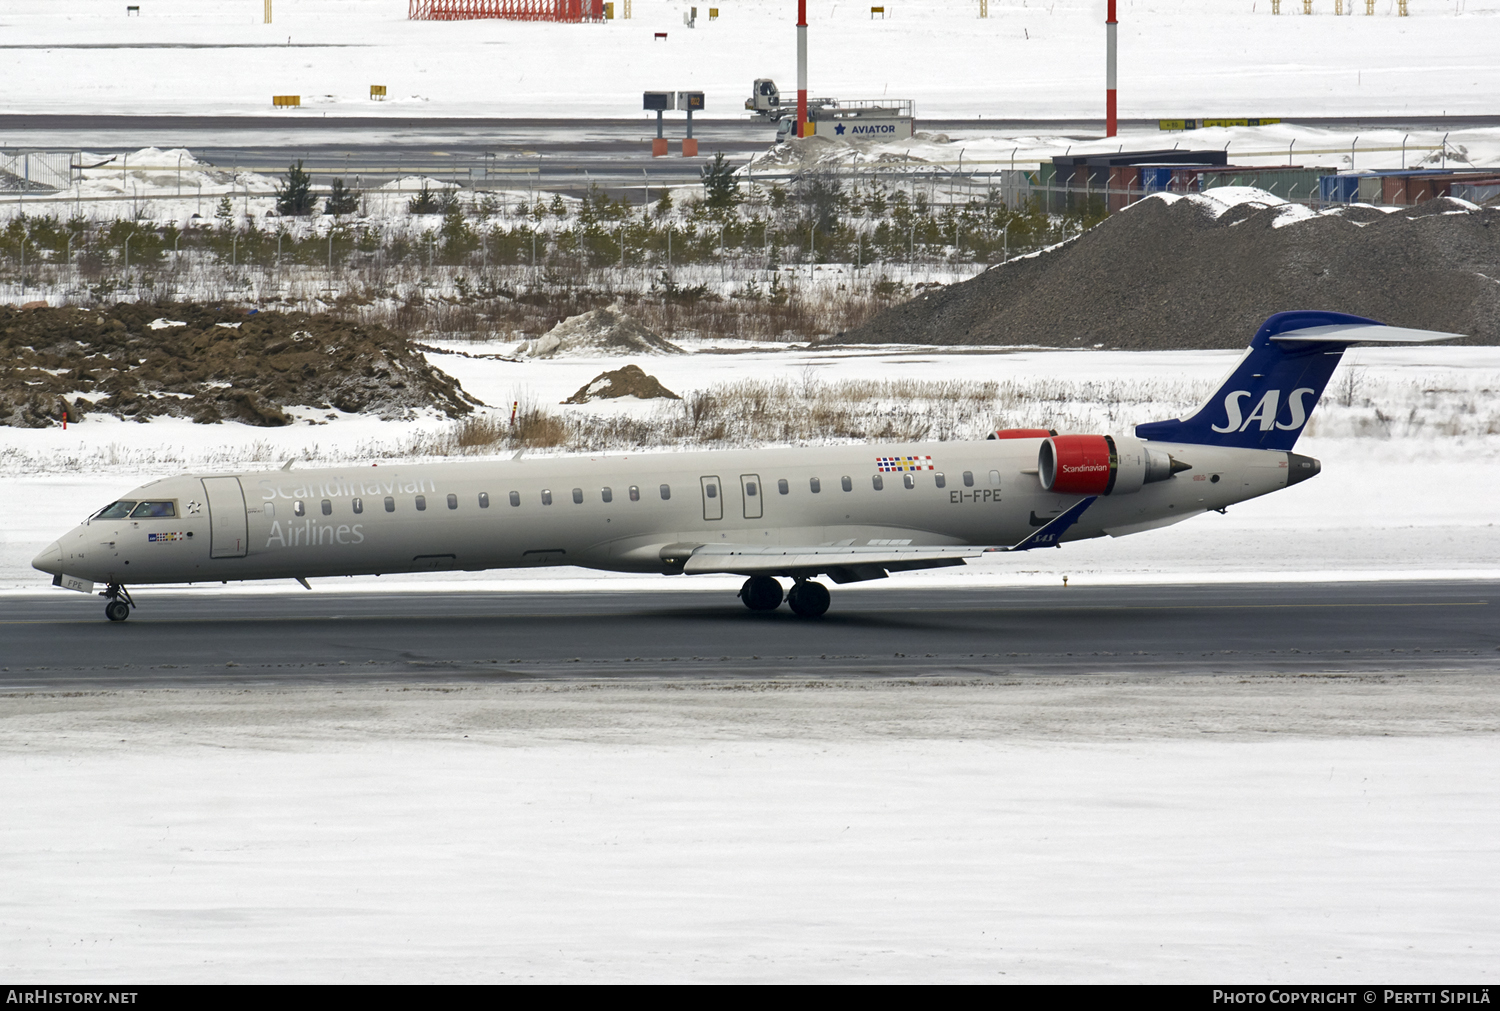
(209, 364)
(631, 381)
(607, 331)
(1191, 273)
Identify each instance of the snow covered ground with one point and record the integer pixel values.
(1410, 495)
(1275, 830)
(1028, 59)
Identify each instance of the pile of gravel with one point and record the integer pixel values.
(630, 381)
(209, 364)
(1189, 273)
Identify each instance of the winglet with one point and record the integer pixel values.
(1049, 535)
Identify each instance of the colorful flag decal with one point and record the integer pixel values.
(898, 464)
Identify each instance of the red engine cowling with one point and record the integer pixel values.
(1020, 433)
(1078, 464)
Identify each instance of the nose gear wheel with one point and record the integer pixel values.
(118, 602)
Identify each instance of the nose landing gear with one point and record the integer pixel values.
(118, 602)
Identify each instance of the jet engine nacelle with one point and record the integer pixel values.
(1101, 465)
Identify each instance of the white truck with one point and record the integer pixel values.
(885, 119)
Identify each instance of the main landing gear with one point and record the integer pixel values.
(806, 598)
(117, 602)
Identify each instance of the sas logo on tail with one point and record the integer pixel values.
(1265, 411)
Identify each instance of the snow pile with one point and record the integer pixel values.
(607, 331)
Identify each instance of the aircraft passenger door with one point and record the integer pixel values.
(751, 489)
(227, 524)
(713, 498)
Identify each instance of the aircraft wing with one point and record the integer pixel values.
(851, 563)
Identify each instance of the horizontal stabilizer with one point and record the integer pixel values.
(1372, 333)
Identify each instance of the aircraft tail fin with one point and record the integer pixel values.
(1268, 396)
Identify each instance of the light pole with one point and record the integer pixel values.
(1111, 30)
(801, 68)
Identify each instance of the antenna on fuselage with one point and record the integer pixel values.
(288, 464)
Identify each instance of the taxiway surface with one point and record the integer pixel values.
(220, 638)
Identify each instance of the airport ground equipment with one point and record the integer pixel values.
(884, 119)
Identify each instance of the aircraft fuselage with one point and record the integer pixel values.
(633, 512)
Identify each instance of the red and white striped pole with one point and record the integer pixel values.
(1110, 28)
(801, 68)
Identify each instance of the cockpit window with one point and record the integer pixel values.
(150, 509)
(117, 511)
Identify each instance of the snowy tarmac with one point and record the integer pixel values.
(1315, 829)
(296, 639)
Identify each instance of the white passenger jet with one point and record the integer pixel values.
(851, 513)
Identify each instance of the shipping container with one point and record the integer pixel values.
(1485, 192)
(1338, 189)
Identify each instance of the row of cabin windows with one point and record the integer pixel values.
(357, 505)
(607, 494)
(877, 481)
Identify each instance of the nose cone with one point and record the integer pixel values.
(49, 560)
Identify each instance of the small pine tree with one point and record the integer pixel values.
(295, 195)
(224, 214)
(664, 205)
(719, 187)
(424, 202)
(341, 200)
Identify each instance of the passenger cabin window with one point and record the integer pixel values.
(635, 493)
(358, 505)
(666, 492)
(941, 479)
(846, 482)
(390, 504)
(910, 480)
(515, 498)
(298, 509)
(546, 496)
(750, 488)
(117, 511)
(452, 501)
(783, 487)
(711, 490)
(421, 503)
(484, 500)
(606, 494)
(327, 508)
(968, 479)
(878, 483)
(578, 496)
(994, 479)
(154, 509)
(814, 485)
